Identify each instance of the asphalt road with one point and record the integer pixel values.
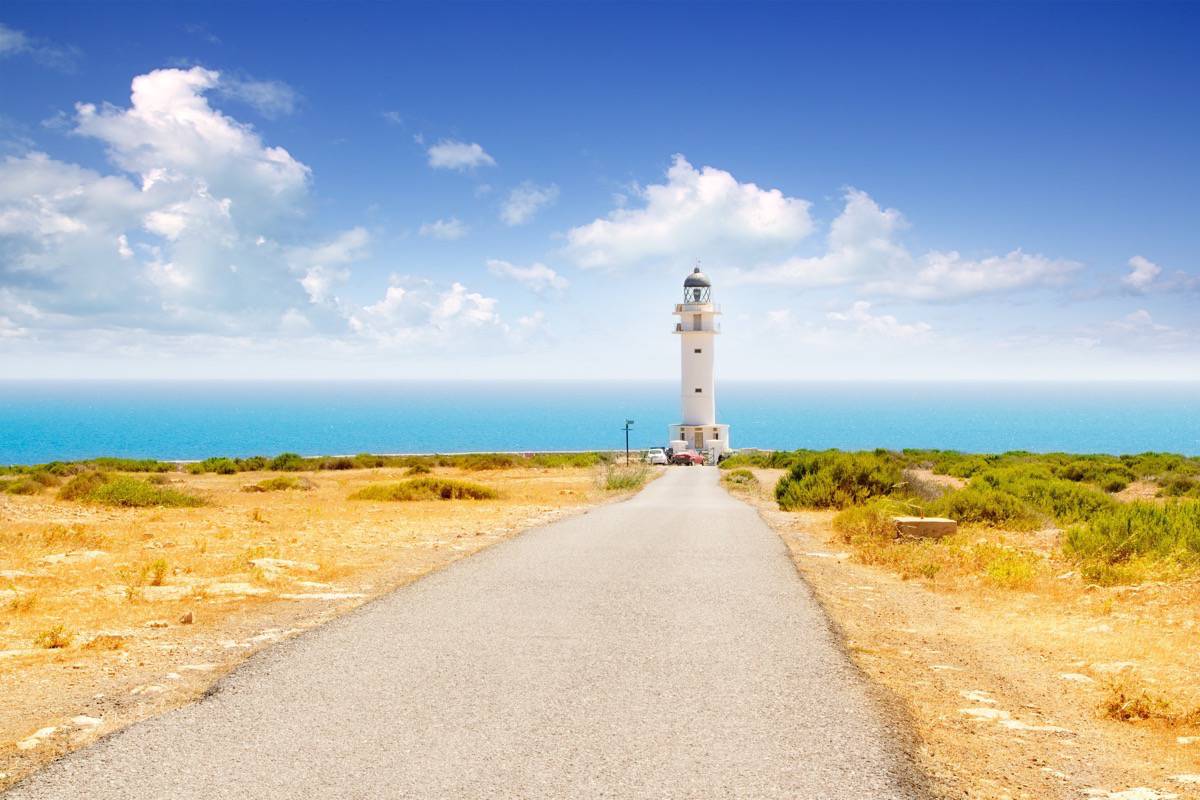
(662, 647)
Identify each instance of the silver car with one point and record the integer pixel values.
(656, 455)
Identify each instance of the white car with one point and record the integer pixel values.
(656, 455)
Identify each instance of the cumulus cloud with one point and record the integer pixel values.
(525, 201)
(859, 314)
(862, 247)
(456, 155)
(195, 236)
(446, 229)
(537, 277)
(14, 42)
(1142, 272)
(696, 212)
(418, 312)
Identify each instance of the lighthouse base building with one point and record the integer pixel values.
(697, 330)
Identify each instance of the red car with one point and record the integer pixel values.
(687, 458)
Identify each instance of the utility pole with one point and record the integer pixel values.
(628, 425)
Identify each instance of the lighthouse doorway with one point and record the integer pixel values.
(699, 440)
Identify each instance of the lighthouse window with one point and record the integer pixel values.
(696, 322)
(698, 391)
(697, 350)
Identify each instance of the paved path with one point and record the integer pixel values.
(662, 647)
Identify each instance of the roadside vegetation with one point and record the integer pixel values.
(1097, 556)
(426, 489)
(621, 478)
(1108, 540)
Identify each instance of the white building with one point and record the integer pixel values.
(697, 330)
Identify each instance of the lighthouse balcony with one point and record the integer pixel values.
(697, 308)
(679, 328)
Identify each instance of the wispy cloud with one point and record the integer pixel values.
(446, 229)
(271, 98)
(13, 42)
(461, 156)
(536, 277)
(524, 202)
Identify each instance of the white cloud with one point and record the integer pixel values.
(696, 213)
(392, 117)
(270, 98)
(949, 276)
(536, 277)
(418, 313)
(859, 314)
(170, 133)
(452, 154)
(862, 247)
(525, 201)
(447, 229)
(1142, 272)
(860, 240)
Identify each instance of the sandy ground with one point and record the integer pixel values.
(1004, 687)
(246, 570)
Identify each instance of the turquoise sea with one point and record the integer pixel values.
(43, 421)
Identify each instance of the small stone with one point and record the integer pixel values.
(34, 739)
(1187, 739)
(157, 623)
(85, 721)
(1186, 778)
(978, 696)
(1075, 677)
(188, 618)
(151, 688)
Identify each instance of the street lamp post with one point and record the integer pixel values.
(628, 425)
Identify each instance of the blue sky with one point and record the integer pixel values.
(926, 191)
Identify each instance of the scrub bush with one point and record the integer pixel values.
(425, 489)
(833, 479)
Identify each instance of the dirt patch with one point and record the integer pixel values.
(108, 616)
(1006, 689)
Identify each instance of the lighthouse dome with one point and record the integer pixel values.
(697, 278)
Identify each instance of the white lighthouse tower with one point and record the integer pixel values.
(697, 330)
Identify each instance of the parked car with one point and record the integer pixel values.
(687, 458)
(656, 455)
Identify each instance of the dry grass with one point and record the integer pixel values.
(1009, 617)
(102, 589)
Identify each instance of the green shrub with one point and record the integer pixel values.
(425, 489)
(486, 461)
(740, 477)
(982, 505)
(23, 485)
(620, 478)
(123, 491)
(342, 462)
(82, 485)
(287, 462)
(565, 460)
(770, 459)
(833, 479)
(280, 483)
(1011, 569)
(1065, 501)
(1120, 534)
(107, 464)
(418, 469)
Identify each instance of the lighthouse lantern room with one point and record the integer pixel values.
(697, 329)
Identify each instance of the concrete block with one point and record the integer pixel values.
(925, 527)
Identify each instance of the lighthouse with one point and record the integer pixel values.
(697, 330)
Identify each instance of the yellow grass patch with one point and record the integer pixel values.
(118, 612)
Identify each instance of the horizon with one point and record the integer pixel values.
(503, 192)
